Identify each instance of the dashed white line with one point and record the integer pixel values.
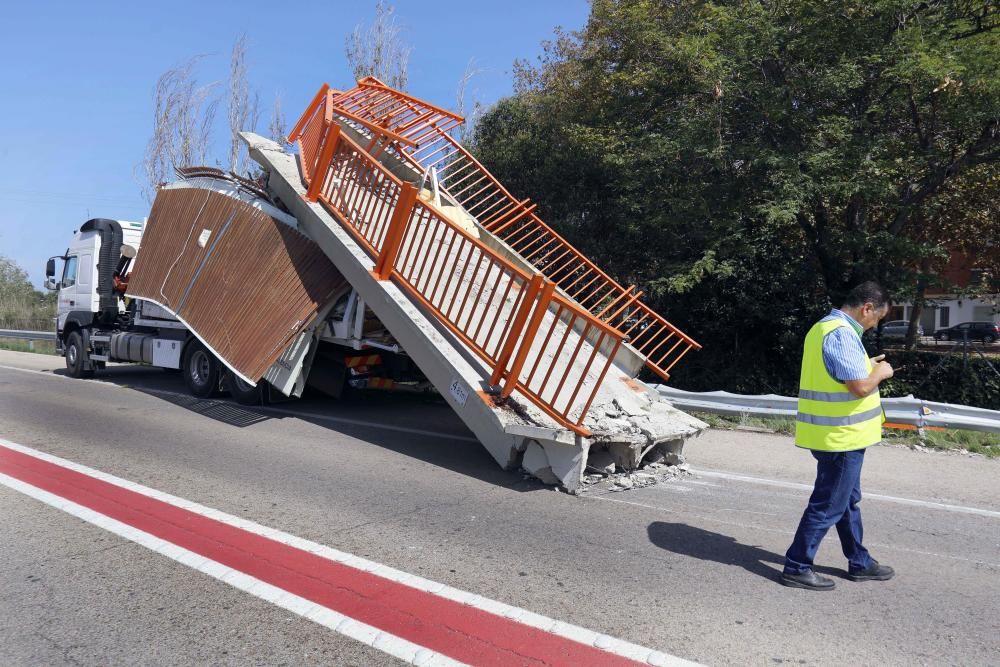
(269, 409)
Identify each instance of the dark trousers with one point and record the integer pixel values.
(834, 502)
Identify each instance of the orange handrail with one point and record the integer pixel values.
(468, 183)
(429, 256)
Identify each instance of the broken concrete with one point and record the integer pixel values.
(536, 463)
(601, 461)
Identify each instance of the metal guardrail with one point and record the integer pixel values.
(905, 410)
(27, 335)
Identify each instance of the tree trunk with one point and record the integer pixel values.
(918, 305)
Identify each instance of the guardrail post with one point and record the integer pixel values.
(396, 231)
(541, 307)
(319, 171)
(520, 317)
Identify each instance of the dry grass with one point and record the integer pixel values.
(36, 346)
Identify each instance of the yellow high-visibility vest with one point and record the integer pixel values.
(831, 418)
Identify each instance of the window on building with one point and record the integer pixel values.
(945, 316)
(979, 277)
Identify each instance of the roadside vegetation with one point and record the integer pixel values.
(37, 346)
(743, 164)
(977, 442)
(21, 305)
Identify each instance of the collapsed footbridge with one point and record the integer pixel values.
(535, 347)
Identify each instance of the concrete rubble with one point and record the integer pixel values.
(633, 429)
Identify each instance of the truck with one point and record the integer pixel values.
(98, 321)
(375, 251)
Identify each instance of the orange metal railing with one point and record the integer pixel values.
(429, 144)
(492, 305)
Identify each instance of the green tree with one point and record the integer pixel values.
(21, 305)
(748, 162)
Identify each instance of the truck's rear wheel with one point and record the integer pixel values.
(201, 370)
(244, 393)
(76, 357)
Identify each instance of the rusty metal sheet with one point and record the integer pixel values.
(243, 281)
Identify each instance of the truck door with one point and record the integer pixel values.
(86, 283)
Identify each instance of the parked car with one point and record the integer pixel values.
(896, 330)
(987, 332)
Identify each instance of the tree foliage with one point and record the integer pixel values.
(243, 110)
(747, 162)
(183, 113)
(21, 305)
(379, 50)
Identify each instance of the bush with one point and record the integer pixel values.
(21, 305)
(931, 376)
(954, 378)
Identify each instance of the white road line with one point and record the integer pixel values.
(295, 413)
(50, 374)
(379, 425)
(301, 606)
(788, 533)
(387, 643)
(962, 509)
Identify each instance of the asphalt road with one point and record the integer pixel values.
(687, 567)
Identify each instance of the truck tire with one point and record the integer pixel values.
(243, 393)
(76, 357)
(201, 370)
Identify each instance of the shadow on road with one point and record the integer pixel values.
(381, 419)
(703, 544)
(226, 412)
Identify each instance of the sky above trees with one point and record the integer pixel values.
(78, 83)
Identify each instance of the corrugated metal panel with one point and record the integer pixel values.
(246, 283)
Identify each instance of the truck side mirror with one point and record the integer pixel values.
(50, 268)
(50, 284)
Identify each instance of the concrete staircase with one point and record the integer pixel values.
(432, 308)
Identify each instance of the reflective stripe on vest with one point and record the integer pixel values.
(831, 418)
(840, 421)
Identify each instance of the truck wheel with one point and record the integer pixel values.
(243, 393)
(76, 356)
(201, 370)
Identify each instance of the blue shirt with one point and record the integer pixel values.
(843, 352)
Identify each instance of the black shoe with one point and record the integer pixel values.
(808, 580)
(874, 572)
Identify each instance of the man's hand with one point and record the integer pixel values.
(881, 370)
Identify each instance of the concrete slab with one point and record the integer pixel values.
(464, 286)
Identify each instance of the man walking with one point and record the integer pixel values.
(839, 415)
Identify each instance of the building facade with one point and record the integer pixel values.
(945, 309)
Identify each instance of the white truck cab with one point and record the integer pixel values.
(77, 287)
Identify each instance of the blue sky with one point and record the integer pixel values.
(77, 81)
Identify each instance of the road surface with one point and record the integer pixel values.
(687, 567)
